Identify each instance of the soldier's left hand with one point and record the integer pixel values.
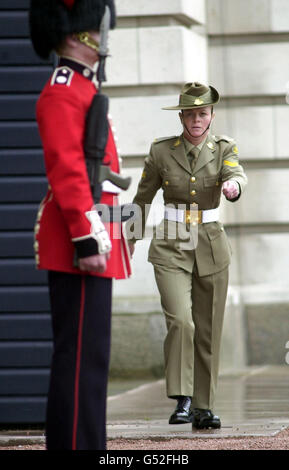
(230, 189)
(93, 263)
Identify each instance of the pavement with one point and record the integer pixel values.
(251, 403)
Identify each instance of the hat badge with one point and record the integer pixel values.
(198, 102)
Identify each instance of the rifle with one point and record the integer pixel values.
(96, 133)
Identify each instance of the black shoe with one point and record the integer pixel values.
(182, 413)
(204, 419)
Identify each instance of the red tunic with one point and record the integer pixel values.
(61, 112)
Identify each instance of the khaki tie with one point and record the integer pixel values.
(193, 156)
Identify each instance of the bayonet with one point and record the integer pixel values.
(103, 47)
(104, 30)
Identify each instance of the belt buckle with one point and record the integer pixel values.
(193, 217)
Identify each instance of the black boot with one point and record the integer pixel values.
(204, 419)
(182, 413)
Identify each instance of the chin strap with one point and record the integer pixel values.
(85, 38)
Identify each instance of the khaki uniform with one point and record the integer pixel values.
(192, 278)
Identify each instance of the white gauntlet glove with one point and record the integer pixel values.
(99, 233)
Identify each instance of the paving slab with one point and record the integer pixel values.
(19, 438)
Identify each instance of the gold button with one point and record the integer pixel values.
(193, 179)
(193, 192)
(166, 183)
(36, 245)
(194, 224)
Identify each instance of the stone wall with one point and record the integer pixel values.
(241, 47)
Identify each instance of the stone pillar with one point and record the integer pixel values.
(248, 63)
(157, 47)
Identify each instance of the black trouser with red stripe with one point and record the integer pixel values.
(81, 322)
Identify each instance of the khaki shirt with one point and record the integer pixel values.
(189, 146)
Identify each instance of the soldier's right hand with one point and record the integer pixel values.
(93, 263)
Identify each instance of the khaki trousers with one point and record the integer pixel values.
(194, 310)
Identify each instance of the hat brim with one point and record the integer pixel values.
(216, 99)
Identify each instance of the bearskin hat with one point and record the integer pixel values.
(52, 20)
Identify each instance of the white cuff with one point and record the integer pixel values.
(98, 232)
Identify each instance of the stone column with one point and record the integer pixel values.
(157, 47)
(248, 63)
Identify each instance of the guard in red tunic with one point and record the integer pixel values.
(81, 255)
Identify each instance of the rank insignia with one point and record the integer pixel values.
(62, 76)
(231, 164)
(210, 145)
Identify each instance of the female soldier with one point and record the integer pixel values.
(193, 170)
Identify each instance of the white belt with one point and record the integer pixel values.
(191, 217)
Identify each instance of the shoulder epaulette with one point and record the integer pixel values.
(217, 138)
(62, 76)
(162, 139)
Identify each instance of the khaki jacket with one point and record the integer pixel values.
(168, 167)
